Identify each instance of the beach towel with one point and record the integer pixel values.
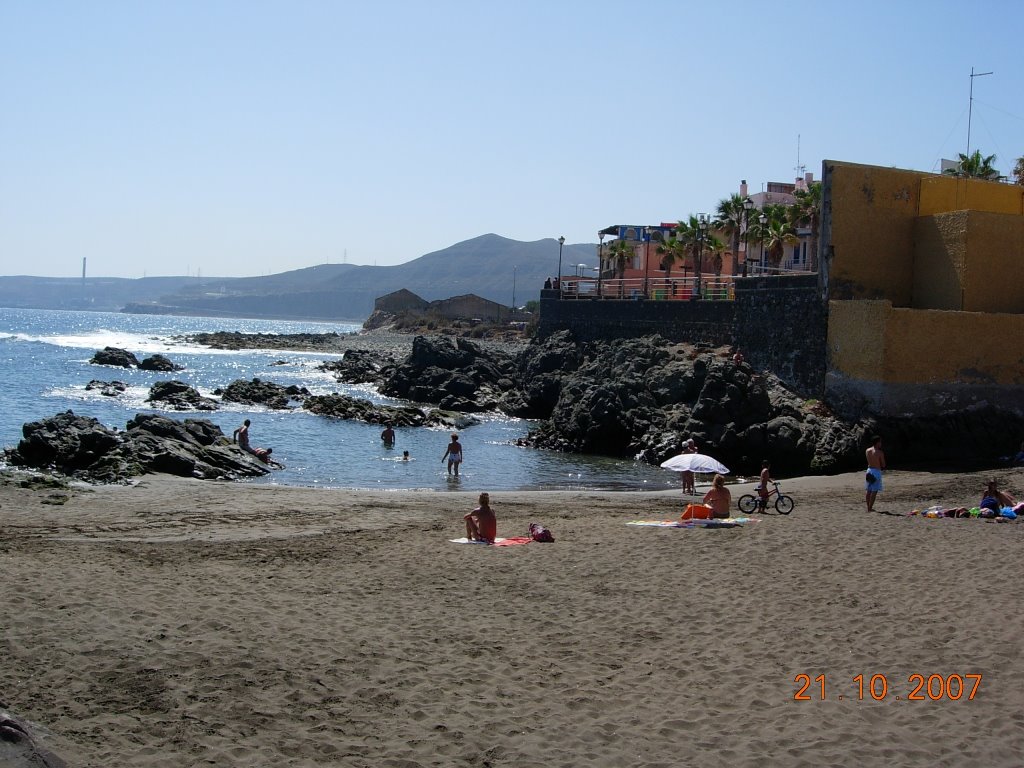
(731, 522)
(498, 542)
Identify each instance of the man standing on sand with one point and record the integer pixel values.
(873, 477)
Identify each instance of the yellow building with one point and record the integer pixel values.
(924, 277)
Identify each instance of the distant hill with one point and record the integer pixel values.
(485, 266)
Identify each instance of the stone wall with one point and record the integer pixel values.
(781, 326)
(708, 322)
(779, 323)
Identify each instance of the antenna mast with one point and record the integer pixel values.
(970, 107)
(799, 168)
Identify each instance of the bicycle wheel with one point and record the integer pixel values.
(748, 503)
(784, 504)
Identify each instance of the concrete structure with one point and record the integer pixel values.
(925, 291)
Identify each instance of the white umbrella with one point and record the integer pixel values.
(695, 462)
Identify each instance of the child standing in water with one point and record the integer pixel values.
(481, 524)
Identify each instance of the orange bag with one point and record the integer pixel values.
(697, 512)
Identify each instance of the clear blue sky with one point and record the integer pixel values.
(240, 137)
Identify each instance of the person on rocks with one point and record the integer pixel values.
(241, 436)
(481, 523)
(873, 477)
(263, 454)
(719, 498)
(454, 455)
(388, 436)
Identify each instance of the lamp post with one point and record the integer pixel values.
(600, 261)
(561, 242)
(647, 256)
(764, 221)
(748, 206)
(703, 223)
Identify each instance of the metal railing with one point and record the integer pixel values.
(654, 288)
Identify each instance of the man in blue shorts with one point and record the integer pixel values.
(873, 477)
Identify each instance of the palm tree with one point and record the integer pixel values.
(622, 252)
(806, 211)
(1018, 172)
(670, 251)
(777, 232)
(975, 166)
(729, 219)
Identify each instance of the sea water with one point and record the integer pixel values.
(44, 369)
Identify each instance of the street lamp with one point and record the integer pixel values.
(764, 221)
(748, 206)
(703, 223)
(561, 242)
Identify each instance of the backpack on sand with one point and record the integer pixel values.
(539, 533)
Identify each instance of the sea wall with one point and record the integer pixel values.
(779, 323)
(900, 362)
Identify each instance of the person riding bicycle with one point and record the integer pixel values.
(766, 478)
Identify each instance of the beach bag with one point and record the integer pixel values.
(697, 512)
(539, 533)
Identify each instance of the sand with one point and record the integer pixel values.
(186, 623)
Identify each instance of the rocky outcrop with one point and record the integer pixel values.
(83, 448)
(358, 366)
(115, 356)
(107, 388)
(644, 397)
(345, 407)
(454, 374)
(265, 393)
(179, 396)
(158, 363)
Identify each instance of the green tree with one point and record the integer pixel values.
(622, 252)
(1018, 172)
(806, 212)
(778, 233)
(670, 251)
(729, 219)
(974, 166)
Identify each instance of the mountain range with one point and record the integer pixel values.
(490, 266)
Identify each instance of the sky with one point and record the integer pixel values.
(249, 137)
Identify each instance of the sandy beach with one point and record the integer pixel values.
(184, 623)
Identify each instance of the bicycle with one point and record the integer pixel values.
(749, 502)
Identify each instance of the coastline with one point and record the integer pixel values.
(176, 622)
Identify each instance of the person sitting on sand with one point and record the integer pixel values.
(994, 499)
(481, 524)
(719, 498)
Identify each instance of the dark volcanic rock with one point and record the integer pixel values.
(458, 376)
(358, 366)
(107, 388)
(643, 397)
(179, 396)
(345, 407)
(115, 356)
(158, 363)
(83, 448)
(258, 392)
